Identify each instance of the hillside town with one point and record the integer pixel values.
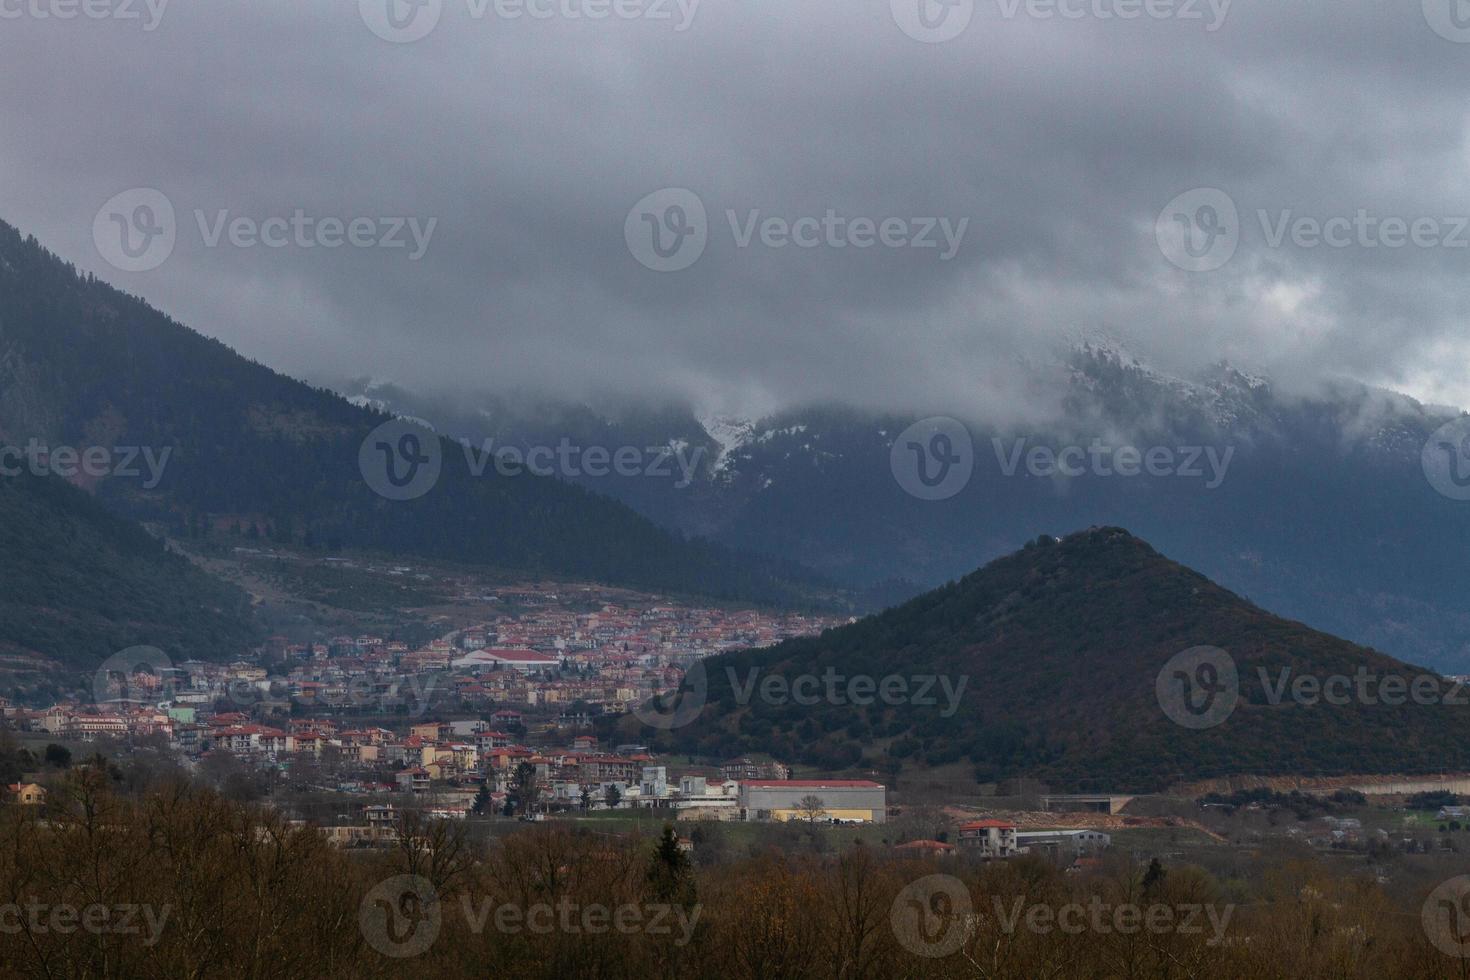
(492, 718)
(518, 695)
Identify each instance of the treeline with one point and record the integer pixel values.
(182, 883)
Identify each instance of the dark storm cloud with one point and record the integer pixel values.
(1045, 146)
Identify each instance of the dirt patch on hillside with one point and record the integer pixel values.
(1045, 820)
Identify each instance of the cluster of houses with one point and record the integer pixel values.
(549, 668)
(441, 760)
(352, 708)
(568, 665)
(444, 763)
(354, 712)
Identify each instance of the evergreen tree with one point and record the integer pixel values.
(670, 874)
(1153, 877)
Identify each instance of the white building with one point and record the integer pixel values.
(655, 783)
(1068, 843)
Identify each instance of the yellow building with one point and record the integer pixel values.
(27, 794)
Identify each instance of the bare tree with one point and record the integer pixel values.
(812, 808)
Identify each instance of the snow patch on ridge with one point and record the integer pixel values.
(730, 433)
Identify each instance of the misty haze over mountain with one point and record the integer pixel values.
(1058, 142)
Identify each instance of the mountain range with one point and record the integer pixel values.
(1314, 504)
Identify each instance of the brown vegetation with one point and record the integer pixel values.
(217, 889)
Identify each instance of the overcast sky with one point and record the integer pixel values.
(1049, 147)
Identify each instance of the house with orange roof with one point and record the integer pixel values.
(310, 743)
(27, 794)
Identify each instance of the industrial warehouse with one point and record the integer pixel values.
(840, 800)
